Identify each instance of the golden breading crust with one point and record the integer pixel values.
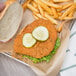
(40, 49)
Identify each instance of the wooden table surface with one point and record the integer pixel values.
(10, 67)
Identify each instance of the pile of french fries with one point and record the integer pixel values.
(53, 10)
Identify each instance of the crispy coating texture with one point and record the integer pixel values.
(40, 49)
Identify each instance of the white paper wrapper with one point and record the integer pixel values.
(43, 69)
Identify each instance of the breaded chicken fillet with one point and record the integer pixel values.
(40, 49)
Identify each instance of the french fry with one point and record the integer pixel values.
(51, 1)
(24, 5)
(32, 8)
(67, 11)
(54, 12)
(41, 10)
(52, 4)
(39, 15)
(35, 16)
(50, 18)
(34, 4)
(44, 6)
(68, 18)
(49, 10)
(61, 0)
(59, 29)
(71, 13)
(48, 0)
(67, 5)
(60, 13)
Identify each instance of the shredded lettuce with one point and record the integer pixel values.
(45, 58)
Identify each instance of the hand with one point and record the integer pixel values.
(2, 6)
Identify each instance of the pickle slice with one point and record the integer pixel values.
(40, 33)
(28, 40)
